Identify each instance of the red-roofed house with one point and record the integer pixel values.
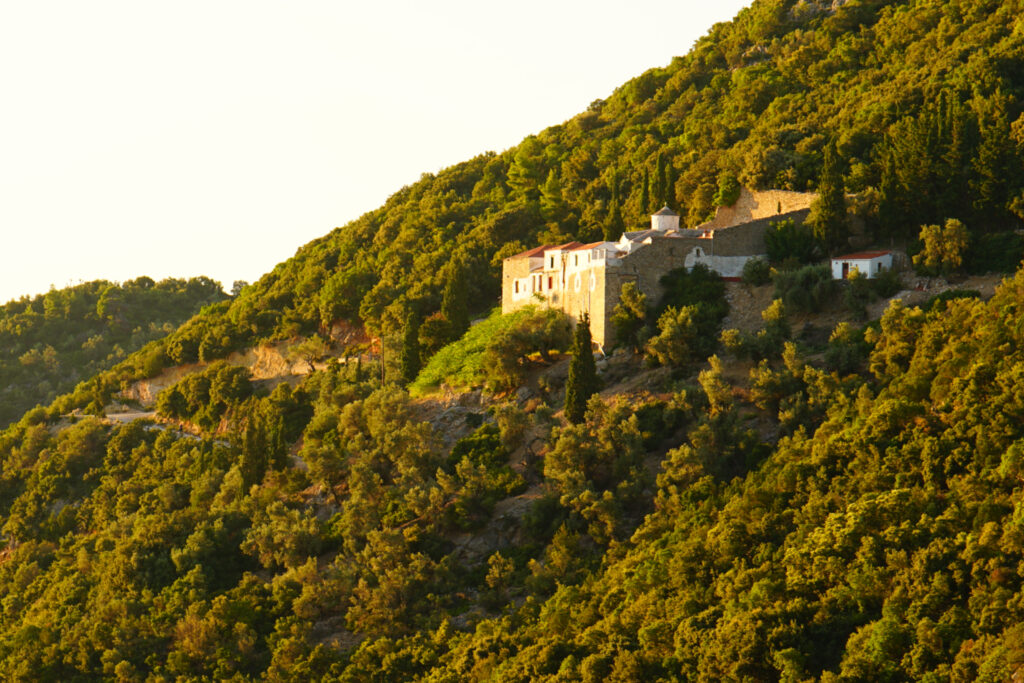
(588, 278)
(869, 263)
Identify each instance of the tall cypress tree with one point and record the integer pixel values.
(409, 357)
(582, 382)
(660, 182)
(455, 299)
(645, 194)
(828, 212)
(613, 225)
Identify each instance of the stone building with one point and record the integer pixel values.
(588, 278)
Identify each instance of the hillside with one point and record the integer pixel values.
(922, 100)
(807, 503)
(52, 341)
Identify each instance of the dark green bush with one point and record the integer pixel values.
(808, 289)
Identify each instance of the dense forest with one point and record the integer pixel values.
(736, 505)
(50, 342)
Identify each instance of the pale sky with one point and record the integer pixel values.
(216, 138)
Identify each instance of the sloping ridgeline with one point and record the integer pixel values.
(863, 526)
(50, 342)
(923, 100)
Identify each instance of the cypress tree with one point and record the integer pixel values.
(828, 213)
(645, 194)
(660, 182)
(582, 382)
(455, 299)
(670, 187)
(409, 357)
(613, 226)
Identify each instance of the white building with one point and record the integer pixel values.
(869, 263)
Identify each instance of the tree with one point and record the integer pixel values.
(455, 299)
(786, 240)
(524, 174)
(677, 334)
(434, 333)
(582, 382)
(660, 181)
(614, 225)
(630, 315)
(309, 351)
(409, 356)
(828, 212)
(728, 189)
(943, 248)
(552, 204)
(645, 193)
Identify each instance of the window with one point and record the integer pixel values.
(517, 287)
(551, 282)
(576, 260)
(552, 263)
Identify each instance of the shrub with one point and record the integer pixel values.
(996, 253)
(756, 272)
(808, 289)
(939, 299)
(677, 340)
(847, 350)
(787, 240)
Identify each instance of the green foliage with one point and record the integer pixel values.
(455, 299)
(995, 253)
(847, 349)
(857, 294)
(802, 524)
(52, 341)
(203, 398)
(828, 212)
(496, 351)
(938, 301)
(700, 287)
(678, 342)
(582, 382)
(765, 343)
(942, 248)
(810, 288)
(692, 309)
(410, 354)
(756, 272)
(788, 241)
(629, 317)
(728, 189)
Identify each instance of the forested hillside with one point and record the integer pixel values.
(923, 101)
(798, 506)
(51, 342)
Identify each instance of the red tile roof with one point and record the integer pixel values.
(536, 251)
(861, 255)
(588, 246)
(568, 245)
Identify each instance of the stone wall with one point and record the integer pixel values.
(511, 270)
(752, 206)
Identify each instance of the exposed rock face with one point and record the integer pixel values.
(269, 362)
